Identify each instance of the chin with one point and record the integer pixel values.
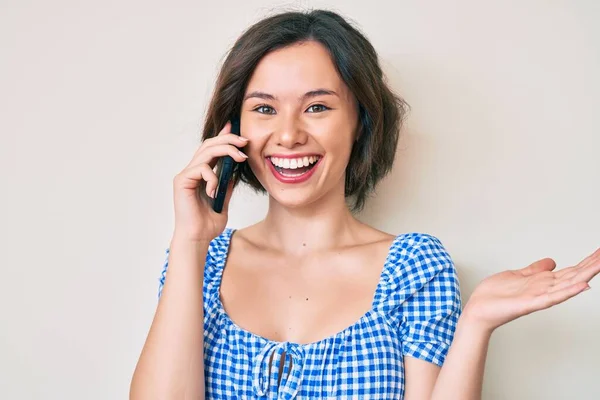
(292, 198)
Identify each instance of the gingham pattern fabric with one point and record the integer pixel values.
(415, 310)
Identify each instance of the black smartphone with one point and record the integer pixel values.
(225, 167)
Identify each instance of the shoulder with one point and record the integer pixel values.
(419, 249)
(415, 261)
(218, 247)
(217, 251)
(419, 281)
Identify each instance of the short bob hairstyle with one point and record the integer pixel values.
(381, 112)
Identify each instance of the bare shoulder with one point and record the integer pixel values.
(245, 238)
(372, 237)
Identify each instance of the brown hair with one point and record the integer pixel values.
(381, 112)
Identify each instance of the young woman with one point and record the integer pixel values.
(310, 303)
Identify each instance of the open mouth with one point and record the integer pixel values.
(293, 170)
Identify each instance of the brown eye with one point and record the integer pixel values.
(264, 109)
(317, 108)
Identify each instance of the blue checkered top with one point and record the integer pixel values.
(415, 311)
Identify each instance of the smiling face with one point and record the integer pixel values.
(301, 120)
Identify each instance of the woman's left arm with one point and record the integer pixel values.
(499, 299)
(461, 374)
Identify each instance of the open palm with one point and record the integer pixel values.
(509, 295)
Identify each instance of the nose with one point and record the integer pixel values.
(290, 132)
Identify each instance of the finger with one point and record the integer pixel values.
(587, 273)
(226, 129)
(560, 286)
(565, 271)
(545, 264)
(237, 140)
(591, 259)
(208, 176)
(210, 141)
(553, 298)
(193, 177)
(229, 138)
(584, 274)
(211, 154)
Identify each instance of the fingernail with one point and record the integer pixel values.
(243, 138)
(242, 154)
(587, 288)
(212, 194)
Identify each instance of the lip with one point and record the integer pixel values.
(298, 155)
(293, 179)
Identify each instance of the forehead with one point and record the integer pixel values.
(296, 69)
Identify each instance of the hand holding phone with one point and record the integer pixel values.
(195, 187)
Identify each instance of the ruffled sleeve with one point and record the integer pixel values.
(422, 296)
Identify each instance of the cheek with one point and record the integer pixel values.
(257, 137)
(337, 137)
(256, 144)
(253, 126)
(256, 163)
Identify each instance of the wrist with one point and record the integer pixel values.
(470, 322)
(185, 240)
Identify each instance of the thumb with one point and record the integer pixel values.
(545, 264)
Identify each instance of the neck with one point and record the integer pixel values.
(324, 224)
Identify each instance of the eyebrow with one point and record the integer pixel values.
(307, 95)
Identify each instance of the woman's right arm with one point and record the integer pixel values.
(171, 366)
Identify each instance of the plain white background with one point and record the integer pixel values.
(101, 104)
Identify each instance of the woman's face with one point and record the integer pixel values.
(301, 120)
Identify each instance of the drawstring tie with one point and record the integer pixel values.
(265, 378)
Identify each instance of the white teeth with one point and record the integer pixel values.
(294, 163)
